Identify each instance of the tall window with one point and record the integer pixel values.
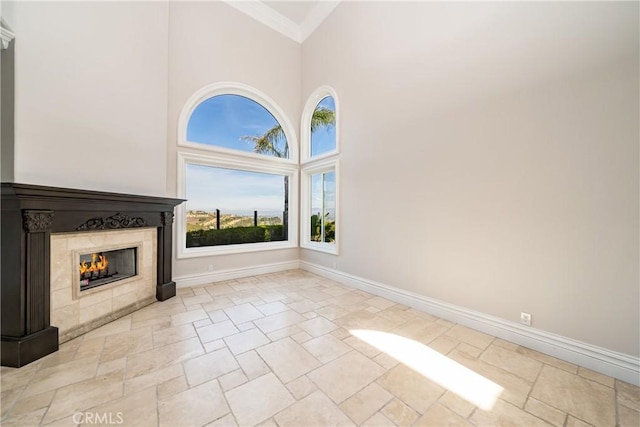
(238, 175)
(320, 202)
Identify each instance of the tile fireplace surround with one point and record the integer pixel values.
(35, 218)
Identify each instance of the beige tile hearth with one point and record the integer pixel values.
(280, 350)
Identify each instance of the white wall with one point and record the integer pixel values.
(212, 42)
(490, 156)
(91, 94)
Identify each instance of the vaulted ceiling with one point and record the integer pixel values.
(295, 19)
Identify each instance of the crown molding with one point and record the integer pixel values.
(262, 13)
(315, 17)
(269, 17)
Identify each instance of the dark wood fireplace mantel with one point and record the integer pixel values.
(29, 214)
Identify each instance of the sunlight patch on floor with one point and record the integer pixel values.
(434, 366)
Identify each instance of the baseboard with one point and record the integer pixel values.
(614, 364)
(236, 273)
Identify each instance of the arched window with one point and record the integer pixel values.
(238, 175)
(235, 122)
(320, 122)
(320, 202)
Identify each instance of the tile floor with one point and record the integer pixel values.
(295, 349)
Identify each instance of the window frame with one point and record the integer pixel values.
(185, 158)
(240, 89)
(207, 155)
(326, 165)
(305, 129)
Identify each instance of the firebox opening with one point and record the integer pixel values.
(100, 268)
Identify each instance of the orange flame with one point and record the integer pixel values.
(98, 262)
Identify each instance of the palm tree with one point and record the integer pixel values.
(274, 143)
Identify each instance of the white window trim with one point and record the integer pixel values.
(185, 158)
(305, 125)
(235, 88)
(326, 165)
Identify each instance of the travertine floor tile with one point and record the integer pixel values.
(138, 409)
(288, 359)
(8, 398)
(628, 417)
(516, 389)
(548, 413)
(84, 395)
(399, 413)
(346, 375)
(29, 404)
(226, 421)
(438, 416)
(252, 365)
(575, 422)
(174, 334)
(301, 387)
(279, 321)
(199, 359)
(314, 410)
(242, 313)
(378, 420)
(59, 376)
(584, 399)
(126, 343)
(513, 362)
(503, 414)
(171, 387)
(151, 379)
(145, 362)
(470, 336)
(209, 366)
(29, 419)
(232, 380)
(628, 395)
(188, 317)
(548, 360)
(326, 348)
(272, 308)
(411, 387)
(596, 376)
(196, 406)
(216, 331)
(318, 326)
(362, 405)
(258, 400)
(245, 341)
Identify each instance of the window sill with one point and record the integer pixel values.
(206, 251)
(328, 248)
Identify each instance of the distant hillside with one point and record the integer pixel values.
(202, 220)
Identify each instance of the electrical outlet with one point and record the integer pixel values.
(525, 318)
(210, 267)
(335, 264)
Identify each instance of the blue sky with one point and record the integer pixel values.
(323, 140)
(222, 121)
(232, 191)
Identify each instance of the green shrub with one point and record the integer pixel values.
(225, 236)
(273, 233)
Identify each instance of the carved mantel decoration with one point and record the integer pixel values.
(30, 213)
(34, 221)
(113, 222)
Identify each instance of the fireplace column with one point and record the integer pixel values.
(166, 287)
(27, 333)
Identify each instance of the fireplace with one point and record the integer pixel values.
(47, 234)
(104, 267)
